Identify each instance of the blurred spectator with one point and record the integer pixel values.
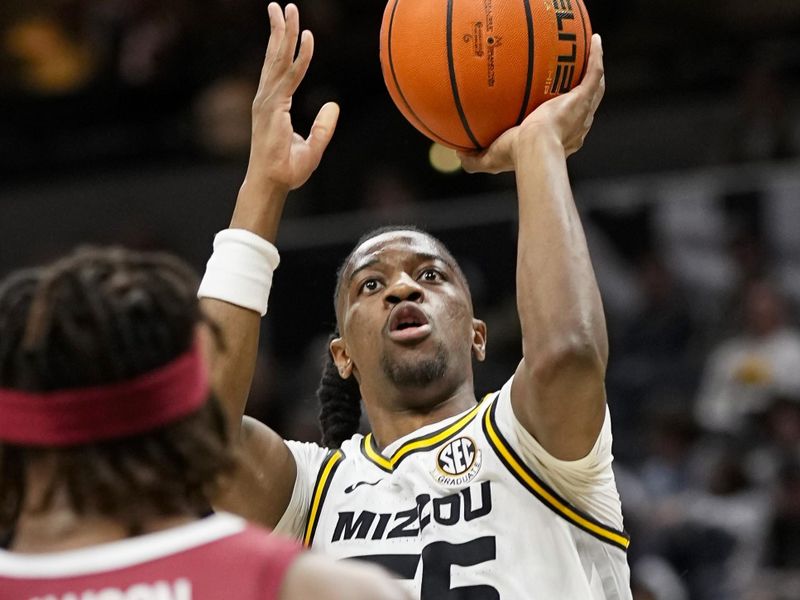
(778, 441)
(222, 117)
(783, 542)
(765, 126)
(650, 370)
(714, 535)
(667, 470)
(49, 59)
(745, 371)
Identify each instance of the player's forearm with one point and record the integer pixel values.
(258, 209)
(233, 364)
(559, 304)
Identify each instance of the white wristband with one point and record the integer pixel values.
(240, 270)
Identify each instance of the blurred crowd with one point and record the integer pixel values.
(171, 81)
(702, 296)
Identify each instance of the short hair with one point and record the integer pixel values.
(98, 316)
(340, 399)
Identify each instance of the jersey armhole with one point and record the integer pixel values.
(308, 458)
(540, 489)
(320, 491)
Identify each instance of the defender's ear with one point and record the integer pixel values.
(341, 357)
(479, 339)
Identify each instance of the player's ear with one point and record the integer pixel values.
(341, 357)
(479, 339)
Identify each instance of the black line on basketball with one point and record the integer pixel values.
(400, 90)
(586, 44)
(529, 79)
(453, 84)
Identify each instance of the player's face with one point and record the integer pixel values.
(405, 316)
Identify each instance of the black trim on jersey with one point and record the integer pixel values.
(363, 447)
(557, 504)
(320, 490)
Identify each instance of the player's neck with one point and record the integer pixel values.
(390, 421)
(62, 529)
(48, 521)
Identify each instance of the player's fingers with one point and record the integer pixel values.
(594, 70)
(277, 27)
(300, 66)
(289, 45)
(478, 163)
(598, 96)
(323, 128)
(597, 55)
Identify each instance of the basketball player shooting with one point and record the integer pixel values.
(511, 496)
(110, 438)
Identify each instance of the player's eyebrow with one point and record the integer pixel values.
(419, 256)
(366, 264)
(429, 256)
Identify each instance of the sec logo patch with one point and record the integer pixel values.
(457, 462)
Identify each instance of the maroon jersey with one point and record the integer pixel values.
(220, 557)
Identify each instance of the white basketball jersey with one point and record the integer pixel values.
(471, 508)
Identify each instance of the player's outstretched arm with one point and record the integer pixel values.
(558, 392)
(322, 578)
(280, 161)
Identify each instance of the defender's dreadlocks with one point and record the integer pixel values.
(340, 399)
(95, 317)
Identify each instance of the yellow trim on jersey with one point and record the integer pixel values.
(423, 443)
(320, 490)
(562, 507)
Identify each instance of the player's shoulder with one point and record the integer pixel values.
(313, 454)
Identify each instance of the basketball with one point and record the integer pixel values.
(464, 71)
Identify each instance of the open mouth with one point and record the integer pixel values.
(408, 322)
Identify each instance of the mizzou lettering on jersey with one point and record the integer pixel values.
(448, 510)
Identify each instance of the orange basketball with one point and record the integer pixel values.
(464, 71)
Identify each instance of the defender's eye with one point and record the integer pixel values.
(431, 275)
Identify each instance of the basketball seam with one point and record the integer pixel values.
(453, 85)
(397, 83)
(529, 79)
(586, 43)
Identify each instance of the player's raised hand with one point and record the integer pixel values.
(565, 119)
(279, 156)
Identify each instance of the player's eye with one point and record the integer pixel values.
(431, 275)
(369, 286)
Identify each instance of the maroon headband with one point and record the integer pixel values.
(85, 415)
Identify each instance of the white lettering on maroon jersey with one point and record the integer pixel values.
(180, 589)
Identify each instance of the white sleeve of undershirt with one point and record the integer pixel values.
(587, 483)
(308, 458)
